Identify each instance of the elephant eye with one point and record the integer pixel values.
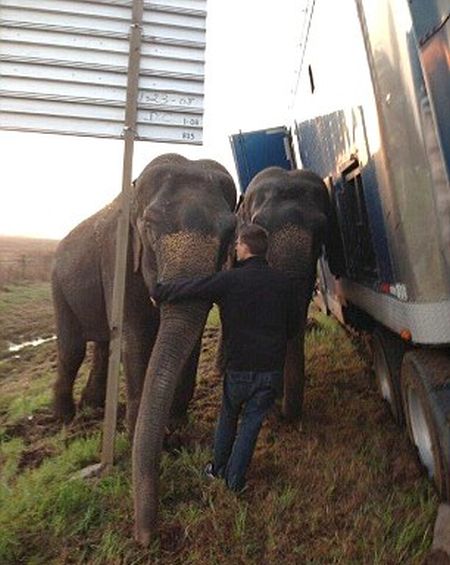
(145, 227)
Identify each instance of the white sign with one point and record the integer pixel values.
(63, 68)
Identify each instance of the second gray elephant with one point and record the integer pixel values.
(294, 207)
(181, 225)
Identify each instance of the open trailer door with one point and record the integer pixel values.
(256, 150)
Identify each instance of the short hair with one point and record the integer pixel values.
(255, 237)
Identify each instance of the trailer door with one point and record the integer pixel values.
(254, 151)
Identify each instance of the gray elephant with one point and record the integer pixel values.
(294, 207)
(182, 224)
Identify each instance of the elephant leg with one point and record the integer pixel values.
(71, 352)
(94, 392)
(294, 379)
(184, 390)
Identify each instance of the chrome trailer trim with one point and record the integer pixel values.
(429, 323)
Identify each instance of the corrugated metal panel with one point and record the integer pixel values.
(63, 67)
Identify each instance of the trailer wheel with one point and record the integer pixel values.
(388, 351)
(425, 382)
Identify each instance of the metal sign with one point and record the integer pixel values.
(63, 68)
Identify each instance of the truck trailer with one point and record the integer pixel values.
(371, 116)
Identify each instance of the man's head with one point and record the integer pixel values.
(251, 241)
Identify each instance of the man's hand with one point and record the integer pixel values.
(153, 301)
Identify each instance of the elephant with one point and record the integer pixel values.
(182, 224)
(294, 208)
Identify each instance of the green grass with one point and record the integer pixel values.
(10, 452)
(26, 383)
(26, 313)
(342, 488)
(23, 294)
(51, 503)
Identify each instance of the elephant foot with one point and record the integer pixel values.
(64, 408)
(292, 413)
(143, 537)
(173, 437)
(176, 422)
(291, 418)
(92, 400)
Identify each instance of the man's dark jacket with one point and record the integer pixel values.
(257, 307)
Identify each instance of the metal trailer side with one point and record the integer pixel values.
(372, 119)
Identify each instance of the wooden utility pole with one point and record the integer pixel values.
(112, 391)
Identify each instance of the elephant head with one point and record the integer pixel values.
(182, 224)
(294, 207)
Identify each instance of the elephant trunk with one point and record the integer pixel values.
(180, 328)
(292, 250)
(295, 251)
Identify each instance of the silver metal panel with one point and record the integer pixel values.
(414, 215)
(63, 67)
(427, 322)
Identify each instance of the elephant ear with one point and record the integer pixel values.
(136, 242)
(228, 189)
(137, 249)
(241, 211)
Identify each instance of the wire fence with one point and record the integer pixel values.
(25, 268)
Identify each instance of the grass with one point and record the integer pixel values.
(24, 258)
(25, 381)
(344, 487)
(26, 313)
(67, 508)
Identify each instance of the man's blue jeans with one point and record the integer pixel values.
(249, 394)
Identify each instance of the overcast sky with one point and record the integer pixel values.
(50, 183)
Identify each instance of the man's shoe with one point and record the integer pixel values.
(209, 471)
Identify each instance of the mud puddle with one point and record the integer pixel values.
(15, 347)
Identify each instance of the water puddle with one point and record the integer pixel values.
(14, 348)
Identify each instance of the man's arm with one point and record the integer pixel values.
(211, 288)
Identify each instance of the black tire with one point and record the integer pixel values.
(387, 354)
(425, 382)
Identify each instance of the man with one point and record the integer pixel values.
(258, 313)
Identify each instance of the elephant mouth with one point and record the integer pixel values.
(186, 254)
(291, 251)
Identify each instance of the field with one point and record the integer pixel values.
(23, 258)
(344, 487)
